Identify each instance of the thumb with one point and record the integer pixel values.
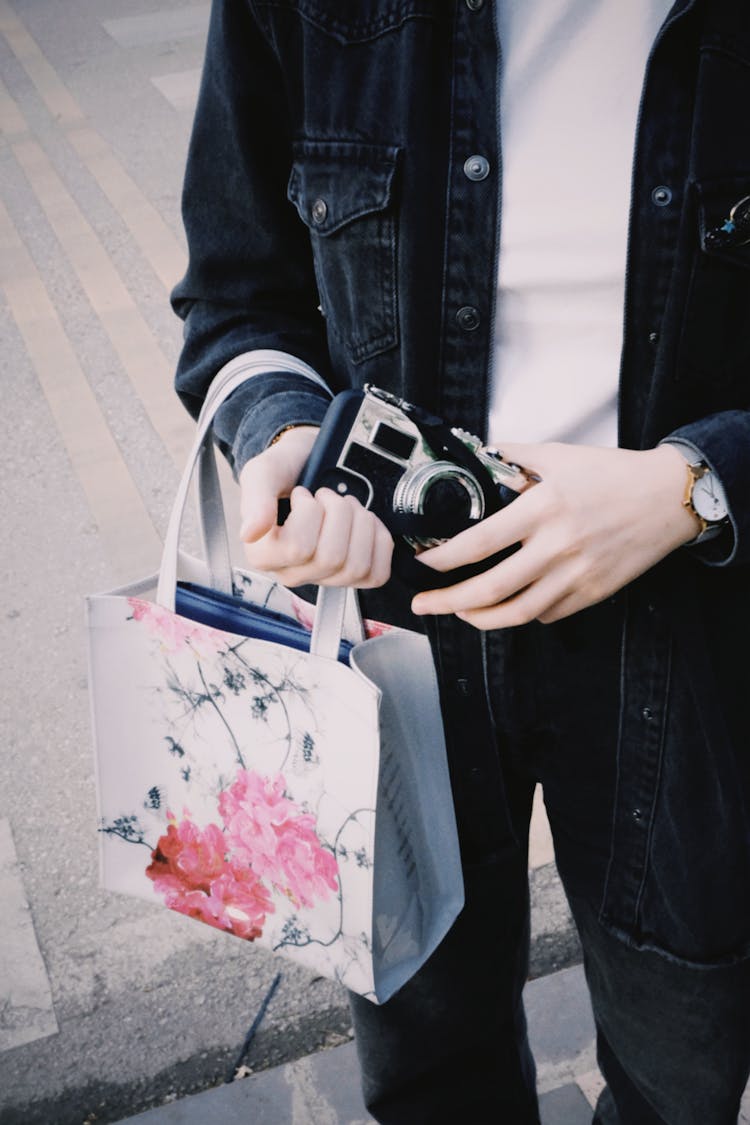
(267, 477)
(529, 456)
(263, 481)
(258, 518)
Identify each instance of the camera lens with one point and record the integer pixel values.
(447, 499)
(445, 492)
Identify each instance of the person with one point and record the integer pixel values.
(534, 221)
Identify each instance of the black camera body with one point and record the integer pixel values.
(424, 480)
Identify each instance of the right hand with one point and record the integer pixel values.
(327, 539)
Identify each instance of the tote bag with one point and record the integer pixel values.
(294, 794)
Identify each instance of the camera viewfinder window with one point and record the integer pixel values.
(395, 442)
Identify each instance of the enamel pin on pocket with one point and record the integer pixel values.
(734, 231)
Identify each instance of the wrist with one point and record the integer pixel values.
(704, 493)
(298, 428)
(674, 477)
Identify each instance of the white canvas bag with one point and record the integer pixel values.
(283, 796)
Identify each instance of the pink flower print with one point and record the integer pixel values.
(267, 830)
(189, 868)
(303, 611)
(305, 614)
(188, 857)
(240, 901)
(376, 628)
(237, 902)
(173, 631)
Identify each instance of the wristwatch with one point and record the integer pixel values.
(704, 495)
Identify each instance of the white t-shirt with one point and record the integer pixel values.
(571, 80)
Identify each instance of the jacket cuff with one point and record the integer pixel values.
(723, 442)
(253, 415)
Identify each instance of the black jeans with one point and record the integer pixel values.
(673, 1040)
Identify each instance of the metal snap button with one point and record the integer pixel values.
(319, 211)
(662, 195)
(477, 168)
(468, 318)
(474, 5)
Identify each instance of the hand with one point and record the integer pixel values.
(327, 539)
(596, 520)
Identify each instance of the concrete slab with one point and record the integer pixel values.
(323, 1088)
(561, 1028)
(180, 89)
(554, 939)
(26, 1011)
(541, 849)
(565, 1106)
(161, 26)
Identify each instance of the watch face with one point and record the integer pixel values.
(709, 498)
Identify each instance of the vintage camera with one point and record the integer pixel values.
(425, 480)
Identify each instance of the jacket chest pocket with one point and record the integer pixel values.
(716, 326)
(355, 21)
(344, 194)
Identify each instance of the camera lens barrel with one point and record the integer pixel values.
(412, 491)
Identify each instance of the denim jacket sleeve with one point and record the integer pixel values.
(250, 281)
(724, 443)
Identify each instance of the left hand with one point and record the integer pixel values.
(597, 519)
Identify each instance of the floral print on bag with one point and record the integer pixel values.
(216, 874)
(250, 856)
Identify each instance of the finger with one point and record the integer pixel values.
(294, 544)
(529, 456)
(528, 605)
(270, 475)
(523, 479)
(382, 559)
(263, 480)
(357, 562)
(335, 535)
(381, 553)
(259, 516)
(511, 525)
(331, 544)
(494, 585)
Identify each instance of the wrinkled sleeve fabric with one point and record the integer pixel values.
(724, 443)
(250, 282)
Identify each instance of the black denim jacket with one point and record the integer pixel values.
(330, 214)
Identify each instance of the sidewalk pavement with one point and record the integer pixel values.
(323, 1089)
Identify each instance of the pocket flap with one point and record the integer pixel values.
(723, 205)
(332, 183)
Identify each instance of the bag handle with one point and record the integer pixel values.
(333, 604)
(210, 505)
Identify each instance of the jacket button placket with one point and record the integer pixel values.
(470, 224)
(646, 675)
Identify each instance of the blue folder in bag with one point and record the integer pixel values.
(221, 611)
